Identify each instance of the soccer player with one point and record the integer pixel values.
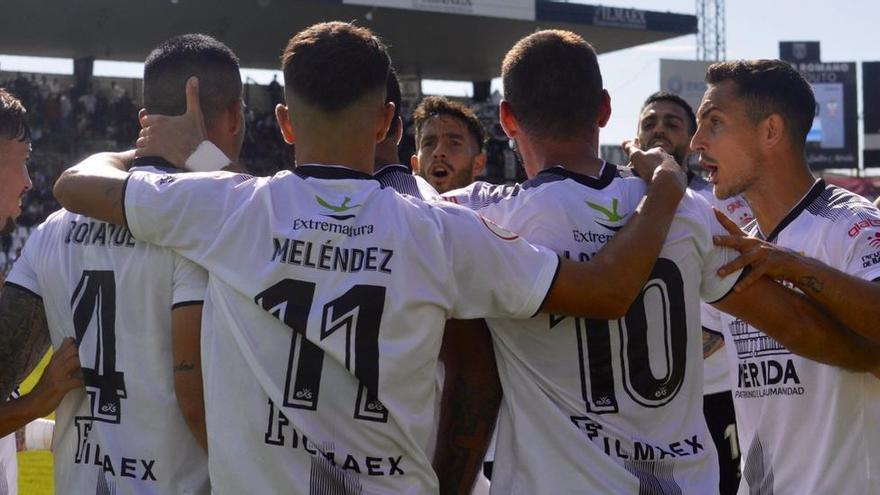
(804, 427)
(449, 144)
(593, 406)
(328, 293)
(134, 310)
(16, 307)
(668, 121)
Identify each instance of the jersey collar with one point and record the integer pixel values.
(156, 162)
(329, 172)
(393, 167)
(795, 212)
(606, 175)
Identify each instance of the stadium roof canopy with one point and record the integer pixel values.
(426, 43)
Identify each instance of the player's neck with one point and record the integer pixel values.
(360, 158)
(774, 195)
(579, 156)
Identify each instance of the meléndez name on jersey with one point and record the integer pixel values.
(596, 406)
(806, 427)
(327, 297)
(123, 434)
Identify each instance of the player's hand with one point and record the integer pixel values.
(762, 257)
(61, 375)
(654, 164)
(174, 138)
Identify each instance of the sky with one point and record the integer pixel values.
(845, 28)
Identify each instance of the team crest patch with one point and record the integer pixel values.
(498, 230)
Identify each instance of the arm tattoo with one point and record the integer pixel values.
(474, 411)
(24, 336)
(811, 283)
(183, 366)
(712, 342)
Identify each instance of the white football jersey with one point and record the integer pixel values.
(806, 427)
(326, 303)
(595, 406)
(124, 433)
(8, 466)
(717, 376)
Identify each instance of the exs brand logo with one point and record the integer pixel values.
(612, 220)
(338, 211)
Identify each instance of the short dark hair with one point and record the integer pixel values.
(435, 106)
(13, 118)
(175, 60)
(392, 95)
(553, 83)
(334, 64)
(770, 86)
(678, 100)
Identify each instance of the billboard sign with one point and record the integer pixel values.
(799, 51)
(871, 104)
(509, 9)
(686, 78)
(833, 140)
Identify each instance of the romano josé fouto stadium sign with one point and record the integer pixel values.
(511, 9)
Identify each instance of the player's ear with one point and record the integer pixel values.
(387, 117)
(772, 130)
(604, 109)
(282, 114)
(414, 163)
(479, 162)
(235, 116)
(508, 120)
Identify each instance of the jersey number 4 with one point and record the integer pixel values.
(94, 317)
(660, 304)
(356, 314)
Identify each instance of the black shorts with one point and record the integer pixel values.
(721, 419)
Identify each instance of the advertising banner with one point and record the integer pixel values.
(508, 9)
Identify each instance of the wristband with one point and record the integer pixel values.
(206, 158)
(38, 434)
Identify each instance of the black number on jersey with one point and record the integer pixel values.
(661, 302)
(94, 317)
(356, 313)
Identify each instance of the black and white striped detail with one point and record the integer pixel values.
(327, 479)
(655, 477)
(758, 473)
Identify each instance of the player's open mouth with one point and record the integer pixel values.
(711, 168)
(439, 173)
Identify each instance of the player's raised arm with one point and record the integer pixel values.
(850, 299)
(606, 286)
(96, 186)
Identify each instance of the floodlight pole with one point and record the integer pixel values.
(711, 44)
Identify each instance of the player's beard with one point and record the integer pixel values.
(8, 227)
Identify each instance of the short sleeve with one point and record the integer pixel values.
(710, 318)
(23, 274)
(183, 212)
(189, 284)
(712, 287)
(862, 240)
(497, 273)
